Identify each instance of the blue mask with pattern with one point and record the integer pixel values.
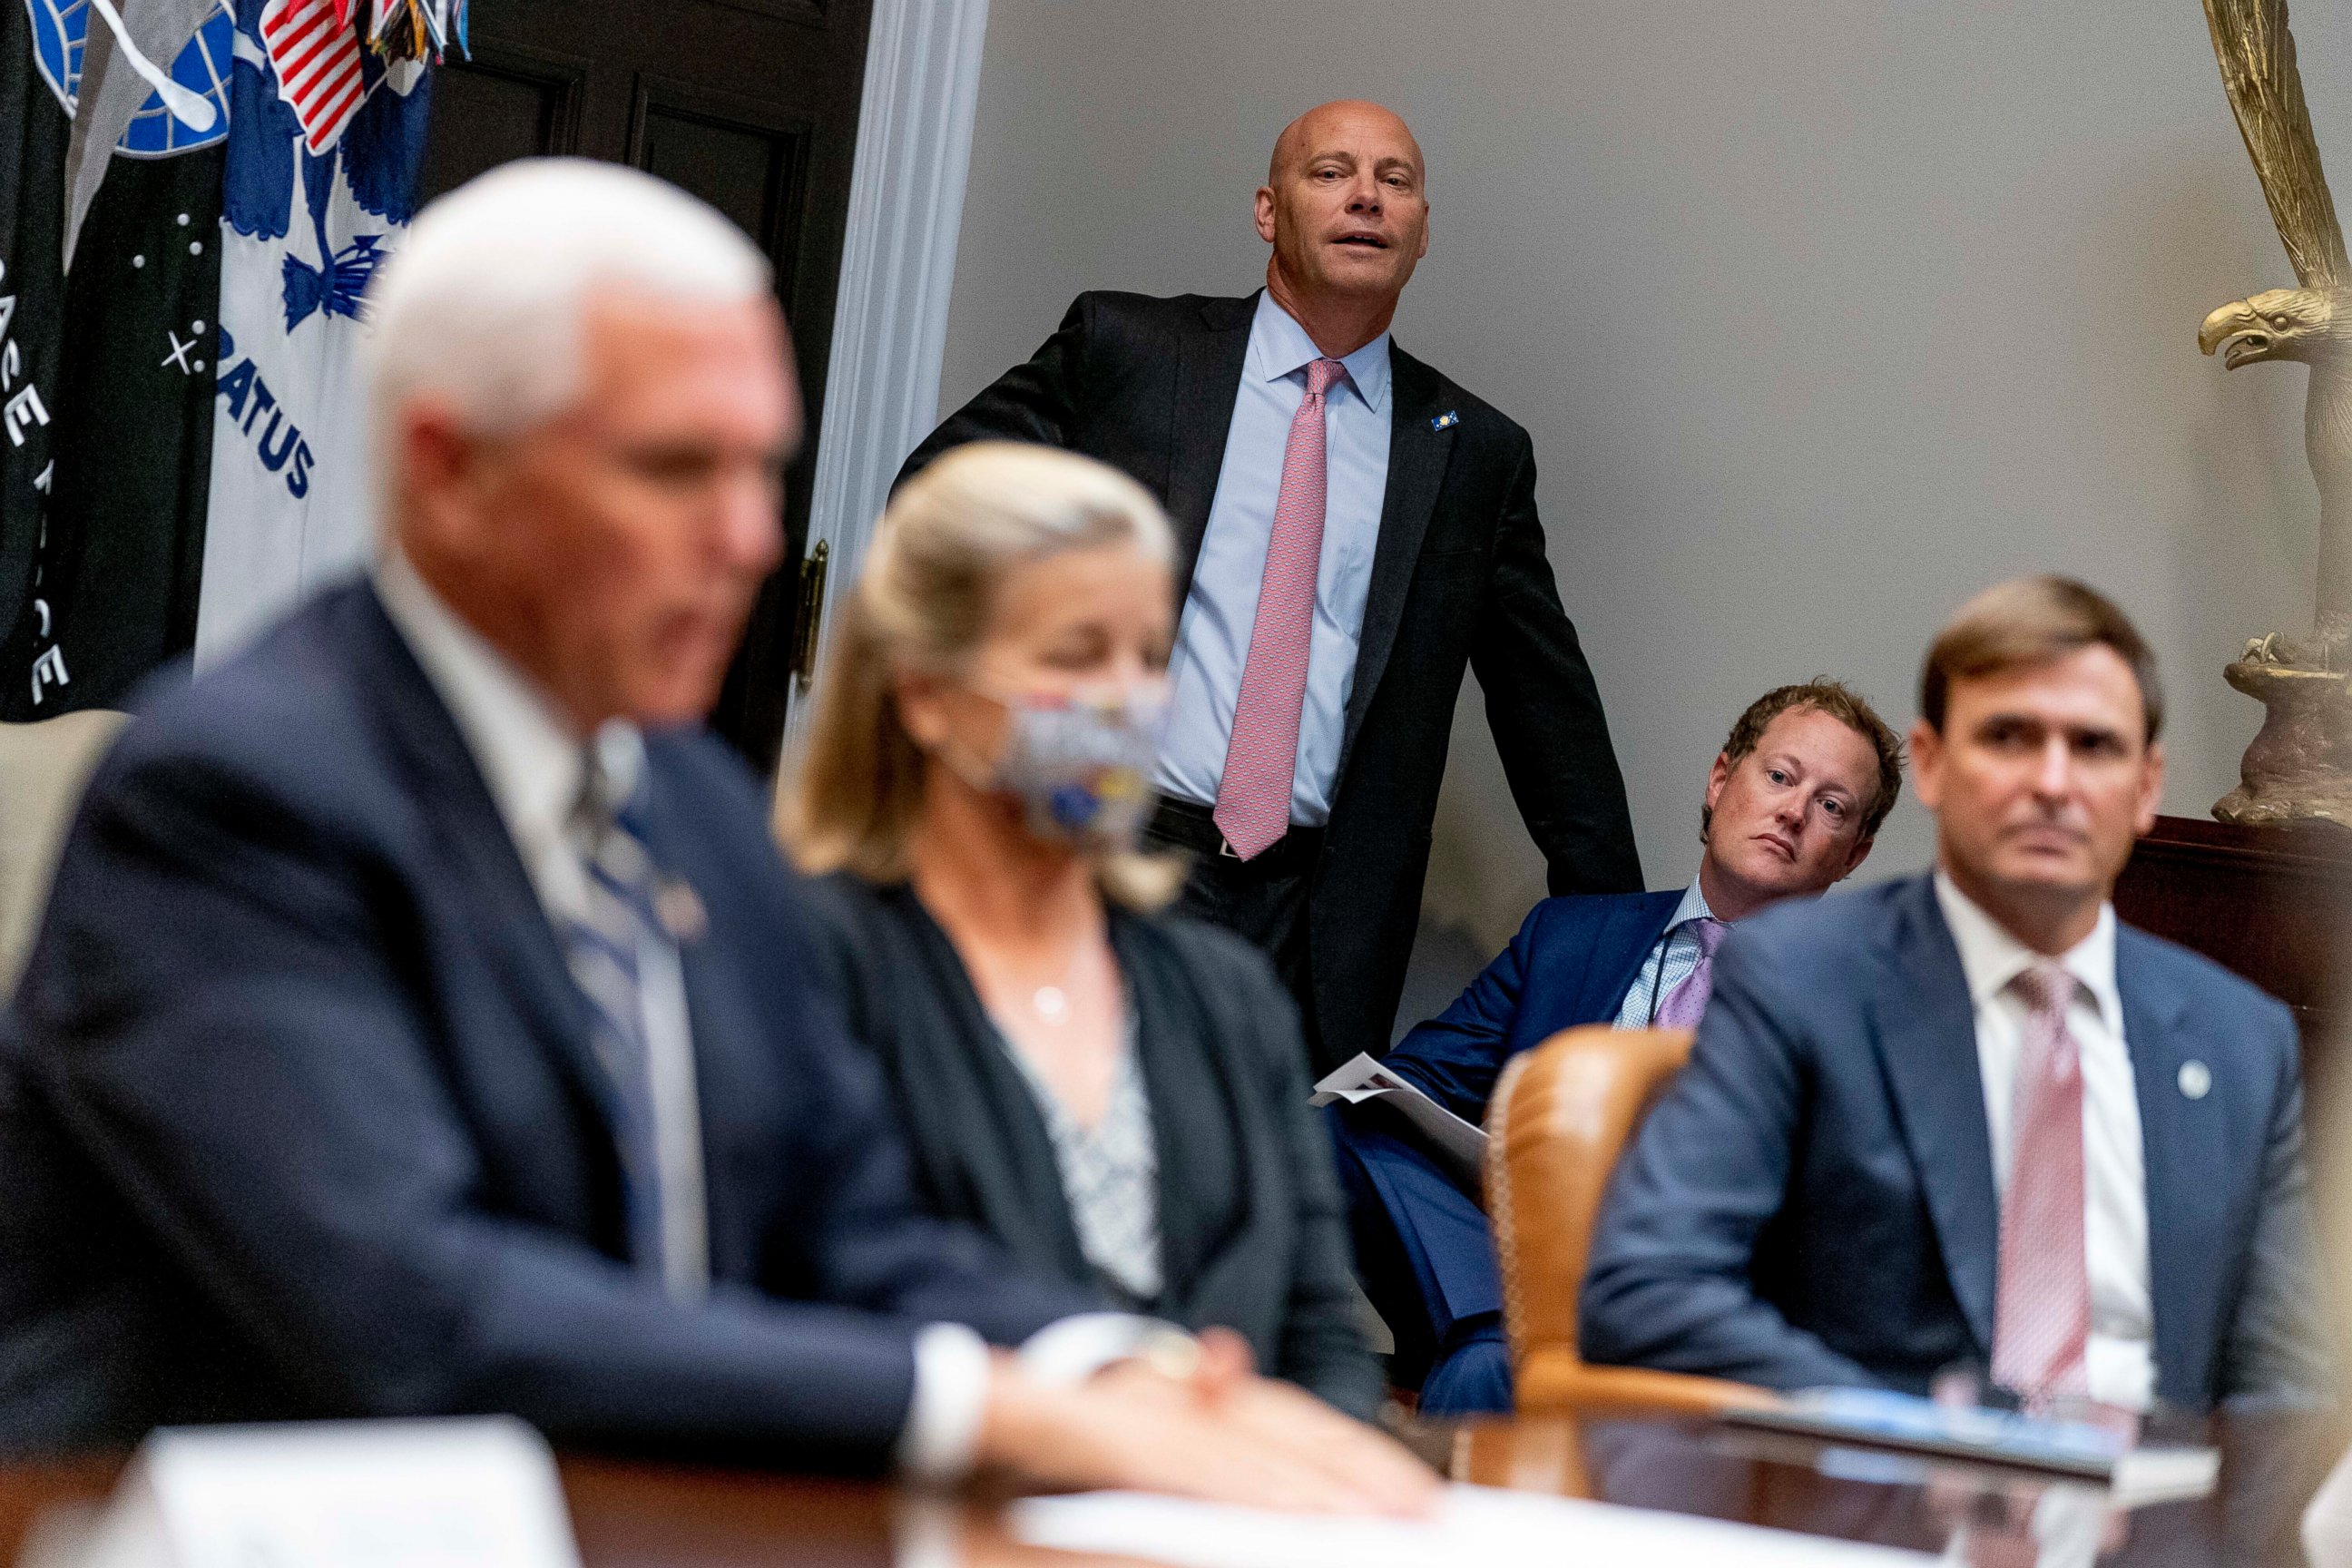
(1081, 765)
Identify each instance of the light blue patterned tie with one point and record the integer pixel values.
(605, 948)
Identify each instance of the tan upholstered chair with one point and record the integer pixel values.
(43, 767)
(1559, 1118)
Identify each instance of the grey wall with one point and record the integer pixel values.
(1821, 315)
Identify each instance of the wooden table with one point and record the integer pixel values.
(636, 1515)
(2270, 1468)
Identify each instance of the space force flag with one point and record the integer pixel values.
(325, 139)
(105, 375)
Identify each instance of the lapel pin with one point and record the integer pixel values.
(2196, 1079)
(679, 908)
(1446, 421)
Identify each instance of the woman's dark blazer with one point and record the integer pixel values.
(1252, 1232)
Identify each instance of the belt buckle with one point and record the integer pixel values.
(1225, 848)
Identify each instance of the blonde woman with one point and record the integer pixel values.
(1118, 1096)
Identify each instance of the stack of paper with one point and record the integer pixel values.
(1460, 1144)
(1474, 1525)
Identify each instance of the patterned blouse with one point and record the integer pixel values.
(1110, 1175)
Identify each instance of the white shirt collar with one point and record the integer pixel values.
(1279, 346)
(1990, 958)
(528, 755)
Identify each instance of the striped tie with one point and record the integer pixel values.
(2041, 1313)
(1253, 794)
(606, 946)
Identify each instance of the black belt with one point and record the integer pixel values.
(1195, 827)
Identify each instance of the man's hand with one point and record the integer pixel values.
(1222, 1434)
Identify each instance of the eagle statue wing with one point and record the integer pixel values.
(2258, 71)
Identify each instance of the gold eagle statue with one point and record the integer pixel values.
(2311, 322)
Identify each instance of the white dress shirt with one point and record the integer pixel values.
(534, 765)
(1212, 637)
(2121, 1358)
(1670, 961)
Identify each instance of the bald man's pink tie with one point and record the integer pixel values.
(2042, 1318)
(1254, 795)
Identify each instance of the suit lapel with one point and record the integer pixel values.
(513, 924)
(2181, 1147)
(1417, 459)
(1002, 1150)
(1208, 378)
(1925, 1034)
(1635, 925)
(1204, 1181)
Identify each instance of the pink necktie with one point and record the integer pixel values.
(1686, 1003)
(2042, 1320)
(1253, 794)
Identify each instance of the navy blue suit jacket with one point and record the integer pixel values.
(1813, 1202)
(298, 1114)
(1572, 962)
(1423, 1246)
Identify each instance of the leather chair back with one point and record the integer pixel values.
(1558, 1119)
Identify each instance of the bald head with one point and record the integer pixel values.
(1334, 122)
(1344, 208)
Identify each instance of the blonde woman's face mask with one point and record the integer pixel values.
(1080, 765)
(1063, 703)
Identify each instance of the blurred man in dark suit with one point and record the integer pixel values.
(1792, 805)
(1970, 1121)
(1352, 530)
(423, 1021)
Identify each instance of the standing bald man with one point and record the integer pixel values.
(1352, 530)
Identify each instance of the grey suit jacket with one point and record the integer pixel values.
(1813, 1200)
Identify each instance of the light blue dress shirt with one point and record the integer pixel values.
(1213, 636)
(1669, 963)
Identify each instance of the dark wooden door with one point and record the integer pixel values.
(751, 105)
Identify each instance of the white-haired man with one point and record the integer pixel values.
(421, 1022)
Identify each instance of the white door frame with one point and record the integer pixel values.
(898, 265)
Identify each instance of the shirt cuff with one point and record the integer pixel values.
(1069, 1351)
(941, 1437)
(937, 1445)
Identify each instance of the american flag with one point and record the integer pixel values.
(317, 56)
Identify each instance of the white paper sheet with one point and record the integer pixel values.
(1476, 1527)
(2327, 1522)
(479, 1493)
(1460, 1143)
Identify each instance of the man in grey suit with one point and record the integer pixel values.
(1970, 1121)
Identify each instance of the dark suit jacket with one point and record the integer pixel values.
(1250, 1229)
(1813, 1200)
(1458, 578)
(1572, 962)
(1423, 1244)
(301, 1117)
